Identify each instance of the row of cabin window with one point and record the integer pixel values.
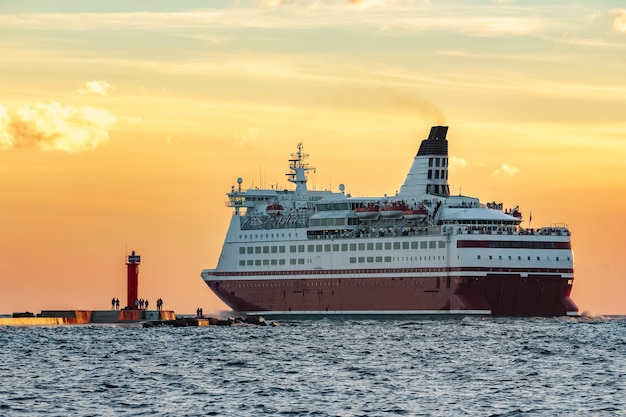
(438, 176)
(343, 247)
(519, 258)
(370, 259)
(439, 162)
(438, 189)
(347, 282)
(353, 260)
(333, 221)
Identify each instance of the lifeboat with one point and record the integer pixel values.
(274, 209)
(393, 211)
(415, 214)
(368, 212)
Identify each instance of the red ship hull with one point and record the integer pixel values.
(499, 294)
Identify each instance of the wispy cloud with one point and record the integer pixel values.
(456, 163)
(506, 169)
(248, 135)
(619, 20)
(101, 88)
(405, 15)
(52, 126)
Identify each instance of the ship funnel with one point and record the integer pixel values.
(429, 173)
(438, 132)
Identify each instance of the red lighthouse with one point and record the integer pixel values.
(132, 268)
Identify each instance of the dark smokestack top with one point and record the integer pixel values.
(436, 144)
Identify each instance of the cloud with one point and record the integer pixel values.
(455, 163)
(95, 87)
(619, 20)
(506, 169)
(272, 3)
(368, 3)
(318, 3)
(52, 126)
(250, 134)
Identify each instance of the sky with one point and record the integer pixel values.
(124, 124)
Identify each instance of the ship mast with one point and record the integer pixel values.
(298, 168)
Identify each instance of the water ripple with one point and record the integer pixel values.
(473, 366)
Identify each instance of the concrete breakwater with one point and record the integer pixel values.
(69, 317)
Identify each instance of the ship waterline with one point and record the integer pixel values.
(312, 253)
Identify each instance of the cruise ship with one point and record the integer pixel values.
(299, 253)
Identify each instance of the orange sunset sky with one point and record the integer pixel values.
(123, 125)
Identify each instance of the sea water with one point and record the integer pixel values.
(330, 367)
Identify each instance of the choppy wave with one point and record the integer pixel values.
(473, 366)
